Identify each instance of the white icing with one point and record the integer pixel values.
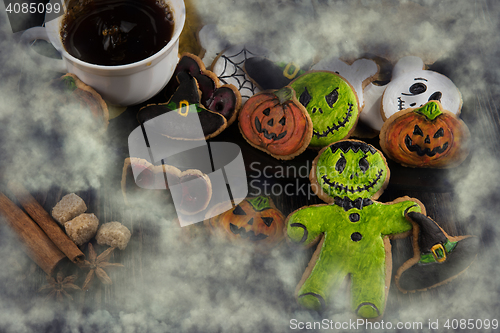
(355, 74)
(408, 73)
(371, 111)
(229, 68)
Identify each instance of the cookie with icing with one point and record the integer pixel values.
(353, 230)
(426, 137)
(224, 99)
(140, 178)
(438, 257)
(254, 219)
(332, 104)
(274, 121)
(229, 68)
(359, 74)
(83, 96)
(184, 114)
(411, 86)
(268, 74)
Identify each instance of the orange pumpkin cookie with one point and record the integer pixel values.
(425, 137)
(253, 219)
(275, 121)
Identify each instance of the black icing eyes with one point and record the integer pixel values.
(439, 133)
(305, 97)
(363, 164)
(417, 131)
(436, 96)
(239, 211)
(267, 221)
(416, 89)
(340, 165)
(332, 97)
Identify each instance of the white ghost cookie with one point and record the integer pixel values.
(411, 86)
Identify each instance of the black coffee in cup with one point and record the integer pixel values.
(116, 32)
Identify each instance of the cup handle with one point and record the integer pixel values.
(29, 36)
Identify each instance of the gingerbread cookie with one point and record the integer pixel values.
(353, 231)
(359, 74)
(254, 219)
(193, 187)
(438, 258)
(85, 96)
(331, 103)
(228, 67)
(425, 137)
(272, 75)
(275, 122)
(411, 86)
(224, 99)
(183, 115)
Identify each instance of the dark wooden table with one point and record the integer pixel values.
(180, 280)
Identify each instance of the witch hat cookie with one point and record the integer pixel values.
(186, 113)
(438, 257)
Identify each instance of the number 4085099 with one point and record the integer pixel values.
(471, 324)
(32, 8)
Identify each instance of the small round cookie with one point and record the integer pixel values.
(331, 103)
(276, 122)
(425, 137)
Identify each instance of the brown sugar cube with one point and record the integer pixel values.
(113, 234)
(82, 228)
(70, 206)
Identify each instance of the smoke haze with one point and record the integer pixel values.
(190, 284)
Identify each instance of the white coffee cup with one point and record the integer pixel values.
(119, 85)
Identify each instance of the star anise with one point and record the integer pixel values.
(97, 264)
(60, 286)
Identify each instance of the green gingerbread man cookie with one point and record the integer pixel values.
(331, 103)
(353, 229)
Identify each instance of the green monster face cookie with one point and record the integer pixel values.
(331, 104)
(351, 169)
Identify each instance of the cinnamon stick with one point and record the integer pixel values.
(46, 222)
(37, 245)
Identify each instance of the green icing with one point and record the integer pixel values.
(431, 110)
(69, 83)
(181, 109)
(428, 258)
(292, 70)
(339, 256)
(330, 123)
(259, 203)
(352, 173)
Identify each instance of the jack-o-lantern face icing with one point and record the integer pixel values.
(350, 169)
(253, 219)
(276, 123)
(425, 137)
(331, 103)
